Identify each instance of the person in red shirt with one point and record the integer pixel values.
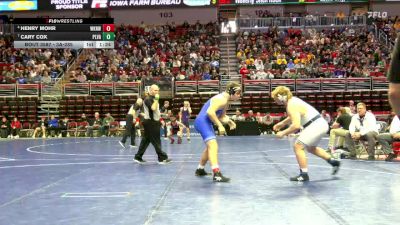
(15, 127)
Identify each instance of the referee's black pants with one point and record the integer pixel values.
(151, 135)
(130, 130)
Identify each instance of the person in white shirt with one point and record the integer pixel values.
(302, 114)
(326, 116)
(238, 116)
(362, 127)
(386, 139)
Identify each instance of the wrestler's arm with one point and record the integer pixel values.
(286, 121)
(226, 120)
(295, 117)
(189, 109)
(394, 97)
(215, 105)
(180, 114)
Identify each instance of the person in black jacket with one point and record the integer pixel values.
(130, 130)
(5, 127)
(63, 126)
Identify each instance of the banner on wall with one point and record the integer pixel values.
(51, 5)
(18, 5)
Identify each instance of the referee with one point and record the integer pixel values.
(130, 123)
(151, 125)
(394, 78)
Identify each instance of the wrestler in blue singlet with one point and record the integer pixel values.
(185, 116)
(203, 123)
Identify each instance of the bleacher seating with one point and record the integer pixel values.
(25, 108)
(330, 101)
(74, 106)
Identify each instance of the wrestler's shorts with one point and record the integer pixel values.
(313, 133)
(205, 127)
(186, 123)
(174, 130)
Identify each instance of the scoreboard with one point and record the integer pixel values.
(64, 33)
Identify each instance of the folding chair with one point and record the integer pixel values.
(71, 127)
(114, 128)
(361, 146)
(81, 127)
(26, 129)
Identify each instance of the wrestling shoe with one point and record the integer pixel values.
(335, 165)
(179, 140)
(302, 177)
(201, 172)
(172, 141)
(218, 177)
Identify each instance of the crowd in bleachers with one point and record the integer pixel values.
(295, 53)
(181, 52)
(390, 25)
(27, 66)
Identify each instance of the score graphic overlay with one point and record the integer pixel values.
(64, 33)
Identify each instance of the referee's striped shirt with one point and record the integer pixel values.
(148, 113)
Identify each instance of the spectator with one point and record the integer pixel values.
(352, 107)
(82, 123)
(268, 122)
(81, 78)
(164, 110)
(386, 139)
(260, 122)
(4, 128)
(63, 125)
(15, 127)
(238, 116)
(340, 128)
(106, 124)
(362, 128)
(95, 124)
(53, 126)
(41, 127)
(46, 79)
(250, 116)
(326, 116)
